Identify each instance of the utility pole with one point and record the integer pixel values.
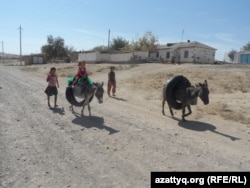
(108, 39)
(20, 30)
(182, 35)
(3, 52)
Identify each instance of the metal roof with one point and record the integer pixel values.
(185, 45)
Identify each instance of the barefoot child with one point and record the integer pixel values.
(51, 89)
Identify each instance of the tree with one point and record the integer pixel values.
(247, 46)
(231, 54)
(54, 48)
(69, 49)
(135, 46)
(71, 54)
(100, 48)
(118, 43)
(48, 49)
(147, 43)
(59, 47)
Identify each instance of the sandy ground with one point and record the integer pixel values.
(127, 137)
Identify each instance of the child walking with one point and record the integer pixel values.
(111, 82)
(53, 83)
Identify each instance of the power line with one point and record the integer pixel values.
(20, 31)
(3, 52)
(182, 35)
(108, 39)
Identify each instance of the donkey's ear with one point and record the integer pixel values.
(102, 83)
(206, 82)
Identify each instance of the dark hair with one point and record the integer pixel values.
(52, 69)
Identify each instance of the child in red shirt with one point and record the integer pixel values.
(81, 72)
(51, 89)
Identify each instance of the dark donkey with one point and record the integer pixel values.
(186, 94)
(97, 90)
(86, 92)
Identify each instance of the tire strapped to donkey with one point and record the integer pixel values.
(179, 95)
(70, 93)
(85, 90)
(71, 97)
(173, 84)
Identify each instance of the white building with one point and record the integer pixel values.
(242, 57)
(183, 52)
(186, 52)
(114, 57)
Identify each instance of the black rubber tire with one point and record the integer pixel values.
(71, 98)
(172, 85)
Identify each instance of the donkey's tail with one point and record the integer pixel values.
(173, 83)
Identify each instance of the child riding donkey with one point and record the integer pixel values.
(81, 73)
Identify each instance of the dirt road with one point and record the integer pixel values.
(125, 140)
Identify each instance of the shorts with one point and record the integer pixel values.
(51, 91)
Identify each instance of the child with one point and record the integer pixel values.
(51, 89)
(111, 81)
(81, 72)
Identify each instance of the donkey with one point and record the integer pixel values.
(88, 93)
(188, 96)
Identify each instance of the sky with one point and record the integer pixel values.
(85, 24)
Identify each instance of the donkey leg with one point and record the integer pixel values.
(88, 103)
(82, 111)
(183, 113)
(189, 110)
(163, 104)
(83, 108)
(187, 114)
(89, 110)
(171, 111)
(71, 108)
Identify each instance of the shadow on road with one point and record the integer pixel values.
(58, 110)
(93, 121)
(117, 98)
(202, 126)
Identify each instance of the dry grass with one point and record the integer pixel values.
(229, 85)
(224, 110)
(226, 79)
(220, 80)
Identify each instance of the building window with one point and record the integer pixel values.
(157, 54)
(186, 54)
(168, 55)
